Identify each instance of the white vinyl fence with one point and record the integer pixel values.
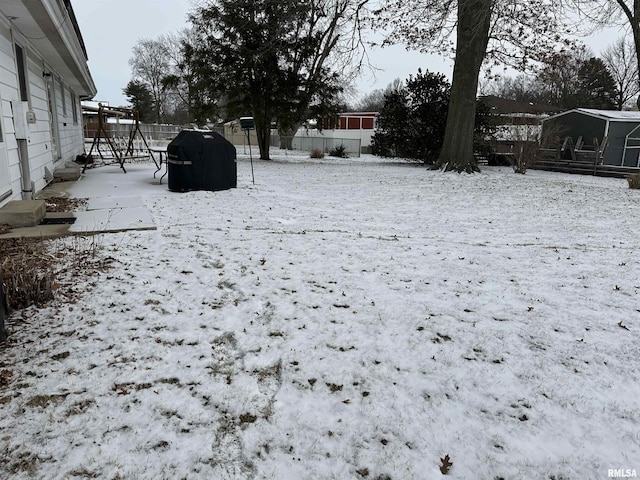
(324, 144)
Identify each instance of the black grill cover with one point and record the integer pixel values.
(198, 160)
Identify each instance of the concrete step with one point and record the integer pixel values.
(67, 173)
(58, 218)
(22, 213)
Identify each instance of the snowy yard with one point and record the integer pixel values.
(341, 319)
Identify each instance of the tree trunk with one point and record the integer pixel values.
(286, 141)
(474, 19)
(263, 133)
(636, 40)
(633, 15)
(286, 136)
(635, 29)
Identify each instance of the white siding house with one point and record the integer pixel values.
(43, 77)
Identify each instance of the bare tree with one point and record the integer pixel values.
(374, 100)
(622, 63)
(499, 32)
(558, 77)
(150, 65)
(522, 88)
(181, 90)
(620, 13)
(631, 11)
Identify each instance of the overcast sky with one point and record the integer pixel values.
(111, 28)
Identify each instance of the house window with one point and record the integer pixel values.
(64, 101)
(22, 73)
(353, 123)
(74, 107)
(367, 123)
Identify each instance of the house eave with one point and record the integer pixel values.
(53, 31)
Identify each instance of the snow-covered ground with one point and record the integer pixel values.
(341, 319)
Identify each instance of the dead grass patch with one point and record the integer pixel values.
(81, 407)
(64, 204)
(84, 473)
(60, 356)
(23, 462)
(334, 387)
(44, 400)
(5, 378)
(247, 418)
(634, 181)
(171, 381)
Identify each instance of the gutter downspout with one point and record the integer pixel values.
(27, 184)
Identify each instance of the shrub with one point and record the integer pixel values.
(524, 156)
(317, 153)
(34, 269)
(339, 151)
(412, 121)
(634, 181)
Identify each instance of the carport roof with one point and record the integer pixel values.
(609, 115)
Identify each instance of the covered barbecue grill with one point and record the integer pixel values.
(201, 160)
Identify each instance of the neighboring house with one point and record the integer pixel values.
(350, 129)
(618, 131)
(90, 111)
(234, 133)
(43, 77)
(517, 121)
(350, 121)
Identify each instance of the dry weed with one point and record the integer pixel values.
(64, 204)
(34, 269)
(27, 272)
(317, 153)
(634, 181)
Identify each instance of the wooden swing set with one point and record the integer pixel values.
(118, 151)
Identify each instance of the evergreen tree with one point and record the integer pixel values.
(276, 61)
(597, 88)
(412, 121)
(576, 79)
(392, 132)
(140, 98)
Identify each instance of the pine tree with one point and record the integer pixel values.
(140, 98)
(275, 61)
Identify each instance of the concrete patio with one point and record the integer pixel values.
(110, 207)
